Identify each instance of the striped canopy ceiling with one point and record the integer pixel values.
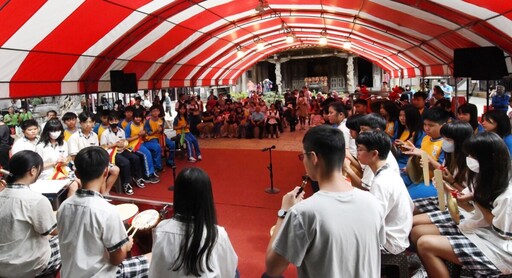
(69, 46)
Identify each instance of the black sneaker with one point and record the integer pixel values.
(139, 183)
(144, 179)
(154, 179)
(128, 189)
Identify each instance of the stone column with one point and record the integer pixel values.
(350, 74)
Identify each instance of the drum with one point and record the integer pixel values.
(127, 212)
(142, 226)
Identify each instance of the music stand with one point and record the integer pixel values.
(271, 189)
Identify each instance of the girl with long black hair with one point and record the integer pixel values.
(26, 219)
(481, 242)
(497, 121)
(191, 243)
(410, 129)
(468, 112)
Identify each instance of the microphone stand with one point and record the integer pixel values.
(271, 189)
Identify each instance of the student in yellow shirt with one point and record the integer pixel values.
(69, 119)
(182, 126)
(154, 127)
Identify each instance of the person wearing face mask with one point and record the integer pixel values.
(481, 242)
(26, 220)
(454, 169)
(54, 151)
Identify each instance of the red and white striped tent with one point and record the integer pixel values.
(69, 46)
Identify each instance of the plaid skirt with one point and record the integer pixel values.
(133, 267)
(54, 261)
(425, 205)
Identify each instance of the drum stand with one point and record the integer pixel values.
(271, 189)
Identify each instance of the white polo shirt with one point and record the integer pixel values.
(51, 154)
(78, 141)
(368, 175)
(89, 227)
(23, 144)
(389, 188)
(26, 218)
(108, 137)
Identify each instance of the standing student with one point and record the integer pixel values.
(324, 235)
(372, 149)
(30, 138)
(93, 239)
(191, 243)
(481, 243)
(26, 220)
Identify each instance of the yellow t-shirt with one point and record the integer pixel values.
(390, 128)
(405, 135)
(153, 127)
(68, 134)
(432, 147)
(101, 128)
(181, 122)
(132, 130)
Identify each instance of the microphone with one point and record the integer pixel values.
(269, 148)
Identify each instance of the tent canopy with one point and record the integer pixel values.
(70, 46)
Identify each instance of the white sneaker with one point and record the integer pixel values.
(420, 273)
(199, 157)
(191, 159)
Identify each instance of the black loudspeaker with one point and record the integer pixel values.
(364, 72)
(130, 83)
(116, 80)
(479, 63)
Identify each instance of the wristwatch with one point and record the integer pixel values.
(281, 213)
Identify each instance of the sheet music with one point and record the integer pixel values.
(49, 186)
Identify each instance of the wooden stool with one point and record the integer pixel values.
(399, 262)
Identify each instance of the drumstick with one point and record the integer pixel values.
(438, 178)
(129, 229)
(134, 231)
(426, 176)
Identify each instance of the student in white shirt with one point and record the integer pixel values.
(26, 220)
(191, 243)
(86, 137)
(29, 140)
(372, 149)
(481, 243)
(93, 240)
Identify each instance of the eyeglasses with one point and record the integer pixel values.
(301, 155)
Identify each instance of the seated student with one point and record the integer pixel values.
(154, 127)
(130, 165)
(135, 134)
(497, 121)
(480, 242)
(360, 106)
(206, 126)
(338, 118)
(370, 122)
(419, 100)
(372, 149)
(30, 138)
(468, 112)
(26, 220)
(128, 117)
(99, 128)
(69, 119)
(54, 150)
(99, 250)
(85, 137)
(181, 125)
(324, 235)
(389, 111)
(410, 132)
(191, 243)
(433, 120)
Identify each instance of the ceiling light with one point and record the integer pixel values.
(347, 45)
(323, 38)
(239, 52)
(260, 45)
(290, 38)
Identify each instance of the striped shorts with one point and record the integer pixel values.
(54, 261)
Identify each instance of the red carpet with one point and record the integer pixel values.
(239, 178)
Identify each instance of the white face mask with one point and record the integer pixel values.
(55, 134)
(473, 164)
(448, 146)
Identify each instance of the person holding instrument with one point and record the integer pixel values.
(26, 220)
(318, 234)
(93, 240)
(191, 243)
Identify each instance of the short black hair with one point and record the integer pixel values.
(129, 108)
(85, 115)
(374, 121)
(361, 101)
(328, 144)
(51, 111)
(437, 115)
(138, 98)
(137, 114)
(68, 116)
(354, 122)
(339, 107)
(113, 116)
(153, 107)
(375, 140)
(422, 95)
(501, 120)
(28, 123)
(90, 163)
